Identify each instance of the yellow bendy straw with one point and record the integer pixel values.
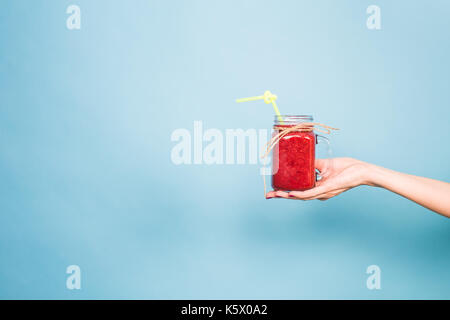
(268, 97)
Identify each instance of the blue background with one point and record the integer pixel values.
(86, 176)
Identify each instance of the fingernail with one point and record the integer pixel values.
(292, 196)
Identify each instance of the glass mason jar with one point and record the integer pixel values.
(293, 163)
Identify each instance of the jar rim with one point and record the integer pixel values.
(288, 118)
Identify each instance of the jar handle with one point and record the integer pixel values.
(327, 168)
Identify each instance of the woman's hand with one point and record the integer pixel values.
(340, 175)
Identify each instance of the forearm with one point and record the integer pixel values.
(432, 194)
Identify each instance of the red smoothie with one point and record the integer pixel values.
(293, 161)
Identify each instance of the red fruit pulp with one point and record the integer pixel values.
(293, 161)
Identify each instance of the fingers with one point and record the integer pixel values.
(270, 195)
(298, 195)
(322, 196)
(323, 192)
(277, 194)
(311, 193)
(303, 195)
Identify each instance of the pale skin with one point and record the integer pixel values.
(343, 174)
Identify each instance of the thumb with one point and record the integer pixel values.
(322, 164)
